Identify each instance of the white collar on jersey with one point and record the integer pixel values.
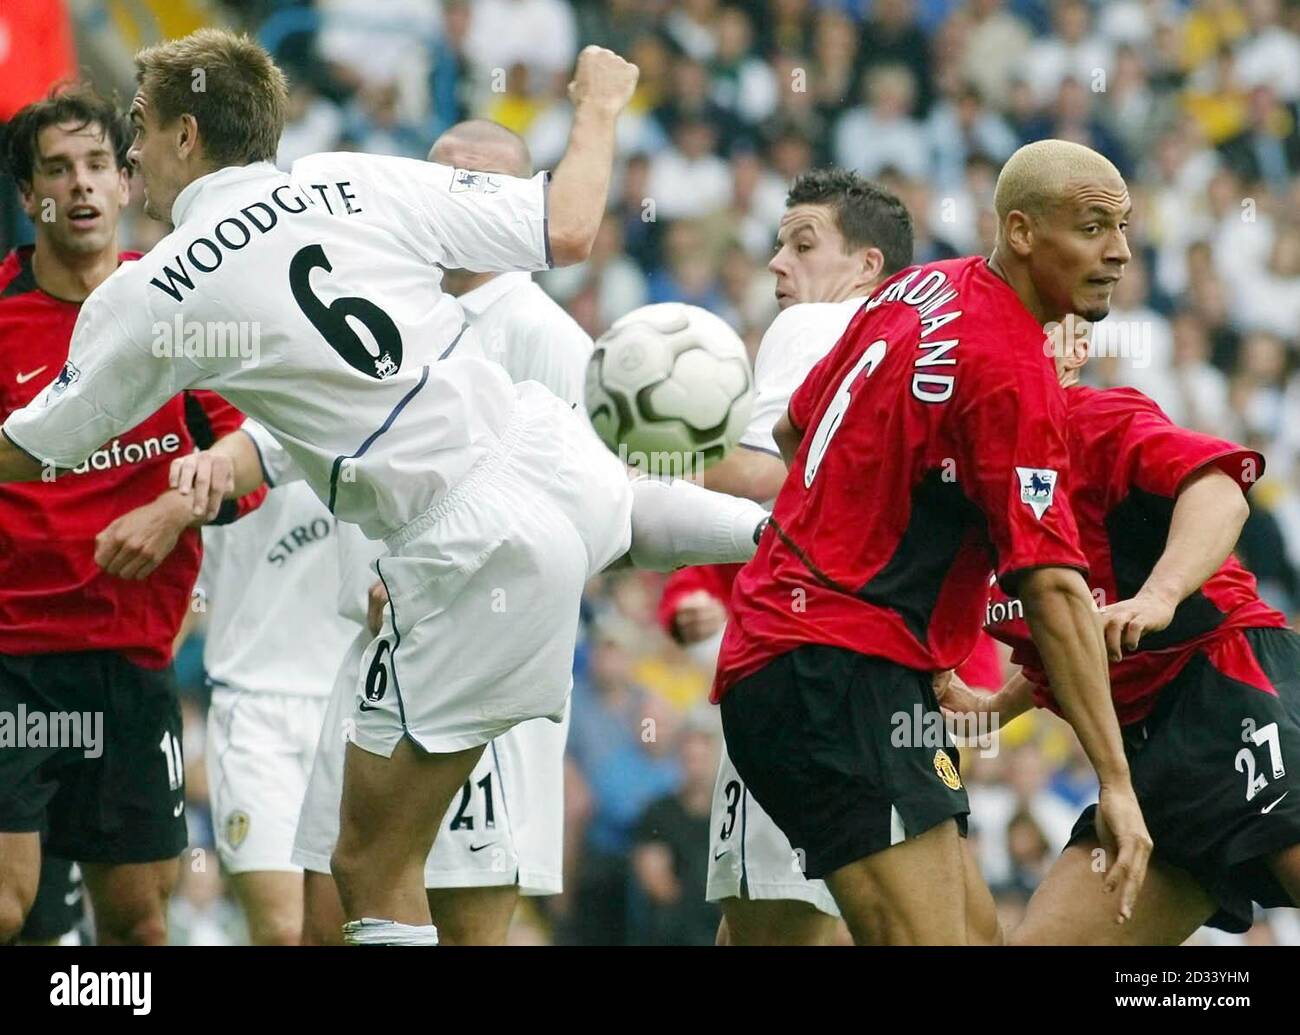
(184, 203)
(481, 298)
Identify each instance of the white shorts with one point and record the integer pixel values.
(749, 857)
(505, 827)
(484, 587)
(259, 757)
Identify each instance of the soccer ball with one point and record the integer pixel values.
(669, 388)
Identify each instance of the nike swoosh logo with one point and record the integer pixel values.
(180, 807)
(366, 707)
(24, 378)
(719, 855)
(479, 848)
(72, 897)
(1269, 808)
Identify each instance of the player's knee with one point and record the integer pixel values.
(13, 913)
(1286, 868)
(276, 930)
(145, 925)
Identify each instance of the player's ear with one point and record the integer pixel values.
(1018, 231)
(187, 135)
(28, 195)
(873, 265)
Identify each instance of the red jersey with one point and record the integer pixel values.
(1128, 462)
(933, 451)
(54, 598)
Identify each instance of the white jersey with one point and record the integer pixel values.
(796, 340)
(270, 580)
(309, 300)
(525, 330)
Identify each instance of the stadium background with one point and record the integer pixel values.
(1195, 102)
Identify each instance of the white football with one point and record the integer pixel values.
(669, 388)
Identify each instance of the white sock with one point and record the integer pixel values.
(678, 523)
(368, 931)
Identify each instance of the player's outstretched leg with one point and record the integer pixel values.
(912, 893)
(1071, 906)
(679, 523)
(20, 871)
(748, 921)
(388, 818)
(130, 900)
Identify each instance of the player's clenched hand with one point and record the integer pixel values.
(1124, 838)
(376, 601)
(135, 544)
(699, 616)
(207, 477)
(604, 79)
(1129, 620)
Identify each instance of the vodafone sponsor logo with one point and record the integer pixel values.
(114, 454)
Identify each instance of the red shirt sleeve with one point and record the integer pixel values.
(1013, 460)
(1157, 456)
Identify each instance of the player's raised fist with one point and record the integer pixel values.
(604, 79)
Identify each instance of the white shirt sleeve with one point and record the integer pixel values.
(478, 221)
(553, 349)
(278, 467)
(793, 343)
(111, 381)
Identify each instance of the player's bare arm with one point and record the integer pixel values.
(1010, 702)
(1207, 519)
(230, 469)
(602, 85)
(1062, 619)
(15, 465)
(747, 472)
(133, 545)
(787, 438)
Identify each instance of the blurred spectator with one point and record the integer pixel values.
(1269, 147)
(1074, 51)
(690, 274)
(883, 132)
(382, 43)
(743, 85)
(962, 126)
(670, 862)
(891, 36)
(1268, 53)
(603, 288)
(539, 34)
(312, 124)
(687, 179)
(621, 742)
(996, 42)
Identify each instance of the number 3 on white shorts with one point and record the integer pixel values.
(830, 422)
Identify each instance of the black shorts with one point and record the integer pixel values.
(105, 782)
(59, 905)
(1216, 768)
(847, 753)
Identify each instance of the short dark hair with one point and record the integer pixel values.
(867, 215)
(228, 83)
(77, 103)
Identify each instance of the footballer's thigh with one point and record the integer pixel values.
(323, 919)
(814, 734)
(912, 893)
(1072, 907)
(387, 822)
(20, 871)
(773, 921)
(756, 876)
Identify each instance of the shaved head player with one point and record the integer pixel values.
(929, 440)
